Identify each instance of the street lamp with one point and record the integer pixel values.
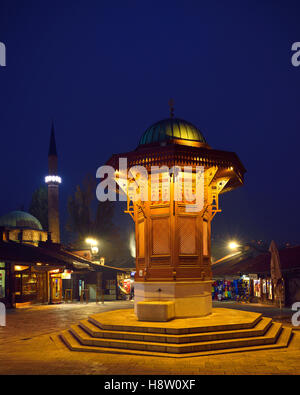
(93, 244)
(233, 245)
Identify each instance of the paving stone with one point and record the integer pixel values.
(41, 355)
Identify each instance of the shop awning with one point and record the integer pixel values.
(289, 259)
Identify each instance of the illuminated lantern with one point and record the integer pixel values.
(173, 250)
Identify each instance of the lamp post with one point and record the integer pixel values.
(93, 245)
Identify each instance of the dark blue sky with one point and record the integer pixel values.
(105, 70)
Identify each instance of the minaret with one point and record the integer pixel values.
(53, 181)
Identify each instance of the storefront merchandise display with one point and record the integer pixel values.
(256, 288)
(230, 290)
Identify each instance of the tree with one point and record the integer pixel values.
(113, 242)
(80, 221)
(104, 225)
(89, 218)
(39, 205)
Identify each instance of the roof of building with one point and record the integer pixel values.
(20, 220)
(47, 253)
(289, 260)
(171, 129)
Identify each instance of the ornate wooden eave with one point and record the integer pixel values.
(228, 163)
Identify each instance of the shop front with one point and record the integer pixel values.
(55, 282)
(125, 286)
(246, 288)
(237, 289)
(263, 290)
(28, 276)
(3, 282)
(25, 285)
(258, 270)
(103, 283)
(32, 285)
(50, 274)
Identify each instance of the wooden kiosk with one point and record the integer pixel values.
(173, 250)
(173, 314)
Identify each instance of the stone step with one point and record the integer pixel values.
(94, 331)
(222, 319)
(282, 340)
(270, 337)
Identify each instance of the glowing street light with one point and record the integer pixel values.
(91, 241)
(233, 245)
(93, 244)
(95, 250)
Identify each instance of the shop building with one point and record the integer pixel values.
(36, 268)
(29, 274)
(102, 283)
(109, 282)
(255, 275)
(47, 273)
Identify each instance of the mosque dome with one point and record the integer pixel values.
(172, 130)
(21, 220)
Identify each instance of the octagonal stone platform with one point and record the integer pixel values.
(224, 331)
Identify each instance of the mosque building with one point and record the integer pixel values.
(22, 227)
(36, 268)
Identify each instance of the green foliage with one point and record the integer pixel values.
(39, 205)
(88, 217)
(79, 210)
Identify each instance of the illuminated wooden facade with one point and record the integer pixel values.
(173, 249)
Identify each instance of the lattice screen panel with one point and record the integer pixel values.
(160, 236)
(187, 235)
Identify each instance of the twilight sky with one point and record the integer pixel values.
(105, 70)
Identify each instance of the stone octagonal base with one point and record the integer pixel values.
(163, 301)
(223, 331)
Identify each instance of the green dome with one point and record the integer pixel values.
(172, 129)
(20, 219)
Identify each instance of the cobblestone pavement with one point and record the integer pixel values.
(284, 315)
(37, 320)
(27, 346)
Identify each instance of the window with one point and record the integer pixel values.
(25, 284)
(264, 286)
(2, 280)
(256, 288)
(29, 284)
(269, 289)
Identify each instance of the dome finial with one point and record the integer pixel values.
(171, 105)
